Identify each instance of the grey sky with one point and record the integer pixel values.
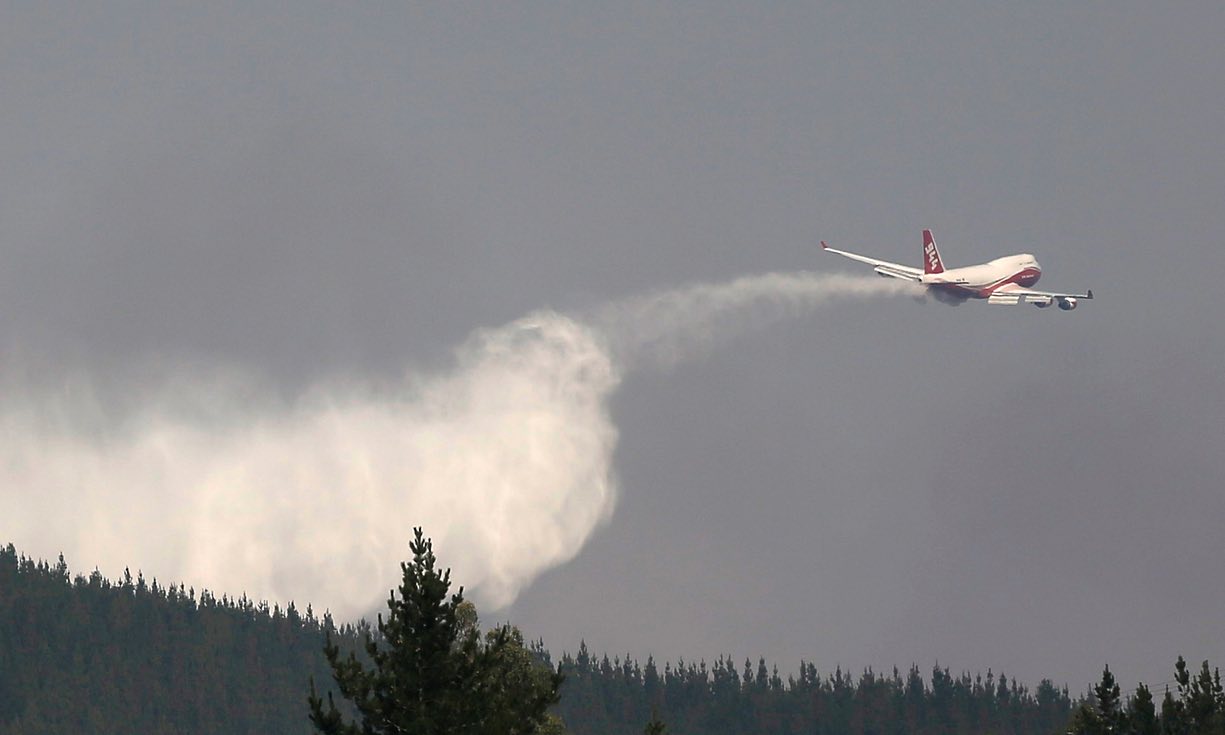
(313, 191)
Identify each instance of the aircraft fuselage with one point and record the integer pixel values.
(980, 281)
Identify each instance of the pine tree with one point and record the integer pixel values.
(655, 726)
(1142, 714)
(432, 672)
(1173, 715)
(1104, 718)
(1204, 702)
(1107, 695)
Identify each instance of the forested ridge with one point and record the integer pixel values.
(617, 696)
(87, 654)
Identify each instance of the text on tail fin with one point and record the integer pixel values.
(931, 255)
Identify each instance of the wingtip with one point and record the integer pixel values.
(1089, 294)
(824, 246)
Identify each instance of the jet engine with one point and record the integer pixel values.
(1043, 304)
(1067, 304)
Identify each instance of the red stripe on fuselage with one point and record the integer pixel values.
(1025, 277)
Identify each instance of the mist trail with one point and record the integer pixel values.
(666, 327)
(506, 459)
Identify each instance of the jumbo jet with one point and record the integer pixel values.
(1004, 280)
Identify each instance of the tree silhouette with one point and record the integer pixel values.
(431, 670)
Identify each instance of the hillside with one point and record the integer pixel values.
(87, 654)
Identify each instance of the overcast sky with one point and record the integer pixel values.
(322, 191)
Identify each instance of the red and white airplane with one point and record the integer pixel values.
(1004, 280)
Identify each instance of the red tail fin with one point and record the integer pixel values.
(931, 256)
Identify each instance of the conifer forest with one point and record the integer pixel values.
(82, 653)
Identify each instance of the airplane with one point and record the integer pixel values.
(1004, 280)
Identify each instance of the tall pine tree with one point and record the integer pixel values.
(432, 672)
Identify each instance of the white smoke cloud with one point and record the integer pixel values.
(506, 459)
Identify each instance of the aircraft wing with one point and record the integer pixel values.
(882, 267)
(1011, 293)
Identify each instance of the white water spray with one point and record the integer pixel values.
(506, 460)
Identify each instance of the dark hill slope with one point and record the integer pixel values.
(88, 655)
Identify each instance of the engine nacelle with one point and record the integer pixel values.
(1043, 304)
(1067, 304)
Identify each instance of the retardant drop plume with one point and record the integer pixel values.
(506, 459)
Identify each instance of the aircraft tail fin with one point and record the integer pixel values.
(931, 255)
